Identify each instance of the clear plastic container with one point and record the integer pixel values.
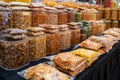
(115, 24)
(13, 53)
(107, 13)
(38, 17)
(107, 24)
(114, 14)
(62, 17)
(70, 15)
(77, 16)
(4, 19)
(101, 27)
(37, 47)
(94, 28)
(83, 33)
(52, 17)
(20, 19)
(101, 13)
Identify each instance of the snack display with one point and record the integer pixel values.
(37, 43)
(44, 71)
(20, 17)
(69, 63)
(75, 33)
(89, 55)
(4, 20)
(65, 37)
(14, 52)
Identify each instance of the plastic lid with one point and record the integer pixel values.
(19, 4)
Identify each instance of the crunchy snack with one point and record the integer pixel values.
(91, 45)
(44, 71)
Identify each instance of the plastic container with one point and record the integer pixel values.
(37, 47)
(101, 27)
(70, 15)
(115, 24)
(52, 17)
(14, 53)
(101, 13)
(38, 16)
(114, 14)
(77, 16)
(118, 14)
(107, 13)
(20, 18)
(107, 24)
(65, 37)
(94, 28)
(83, 33)
(62, 17)
(4, 18)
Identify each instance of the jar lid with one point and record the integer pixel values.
(4, 9)
(35, 29)
(19, 4)
(51, 27)
(60, 7)
(73, 23)
(2, 3)
(20, 8)
(37, 9)
(37, 5)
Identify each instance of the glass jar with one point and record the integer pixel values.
(65, 38)
(4, 18)
(77, 16)
(20, 19)
(115, 24)
(107, 13)
(70, 15)
(38, 17)
(62, 17)
(107, 24)
(101, 13)
(37, 47)
(114, 14)
(83, 33)
(14, 53)
(52, 17)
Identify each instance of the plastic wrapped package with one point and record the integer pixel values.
(114, 14)
(52, 16)
(37, 44)
(20, 17)
(38, 16)
(89, 55)
(115, 24)
(75, 33)
(44, 71)
(101, 13)
(107, 24)
(107, 13)
(4, 18)
(65, 37)
(113, 33)
(14, 52)
(70, 15)
(62, 17)
(69, 63)
(91, 45)
(77, 16)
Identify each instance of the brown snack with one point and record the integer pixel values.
(107, 13)
(20, 19)
(115, 24)
(70, 15)
(114, 14)
(101, 51)
(14, 53)
(67, 61)
(65, 39)
(113, 33)
(52, 43)
(37, 47)
(44, 71)
(73, 73)
(91, 45)
(62, 17)
(101, 13)
(108, 24)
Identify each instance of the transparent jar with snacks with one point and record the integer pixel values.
(101, 13)
(118, 14)
(52, 16)
(70, 15)
(52, 39)
(85, 14)
(107, 13)
(114, 14)
(14, 49)
(93, 15)
(65, 37)
(77, 16)
(38, 16)
(4, 18)
(101, 27)
(94, 27)
(20, 17)
(75, 33)
(107, 24)
(62, 17)
(83, 33)
(37, 43)
(115, 24)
